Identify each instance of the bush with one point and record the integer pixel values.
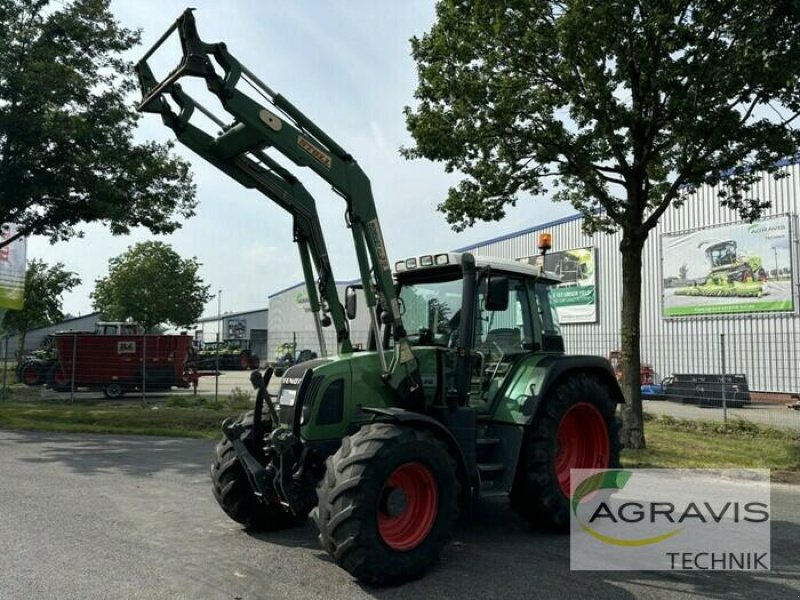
(239, 399)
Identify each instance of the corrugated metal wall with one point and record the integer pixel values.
(766, 347)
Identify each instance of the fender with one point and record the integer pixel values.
(466, 476)
(551, 369)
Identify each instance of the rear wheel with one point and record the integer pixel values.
(113, 391)
(58, 380)
(575, 429)
(387, 502)
(31, 374)
(244, 361)
(234, 494)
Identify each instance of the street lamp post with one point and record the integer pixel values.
(775, 250)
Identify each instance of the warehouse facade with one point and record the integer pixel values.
(758, 336)
(290, 320)
(718, 295)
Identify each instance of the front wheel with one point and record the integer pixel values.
(575, 429)
(234, 493)
(387, 502)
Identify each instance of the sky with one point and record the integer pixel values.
(346, 65)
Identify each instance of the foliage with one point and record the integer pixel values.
(67, 153)
(152, 285)
(44, 286)
(239, 399)
(621, 108)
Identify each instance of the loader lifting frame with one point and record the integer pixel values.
(240, 150)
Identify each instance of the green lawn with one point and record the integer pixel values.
(684, 443)
(671, 442)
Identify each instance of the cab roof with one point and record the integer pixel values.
(454, 258)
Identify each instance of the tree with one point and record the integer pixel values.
(44, 286)
(620, 107)
(152, 285)
(67, 153)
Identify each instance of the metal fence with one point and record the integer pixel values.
(752, 377)
(707, 377)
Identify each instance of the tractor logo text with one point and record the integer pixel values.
(318, 154)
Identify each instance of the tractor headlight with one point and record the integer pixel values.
(442, 259)
(400, 266)
(426, 261)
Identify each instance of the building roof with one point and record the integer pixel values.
(226, 315)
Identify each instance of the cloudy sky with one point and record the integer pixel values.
(347, 65)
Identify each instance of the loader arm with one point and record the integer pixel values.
(239, 150)
(258, 171)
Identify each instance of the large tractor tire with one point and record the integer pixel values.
(387, 503)
(58, 380)
(576, 428)
(234, 494)
(244, 360)
(31, 374)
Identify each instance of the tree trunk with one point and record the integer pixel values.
(632, 432)
(22, 334)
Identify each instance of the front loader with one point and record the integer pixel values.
(464, 391)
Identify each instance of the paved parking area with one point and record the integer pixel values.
(106, 517)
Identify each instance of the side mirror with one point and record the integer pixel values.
(350, 302)
(497, 293)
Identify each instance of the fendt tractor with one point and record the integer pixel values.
(463, 392)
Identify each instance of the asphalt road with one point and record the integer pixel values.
(106, 517)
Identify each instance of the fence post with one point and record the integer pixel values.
(5, 369)
(144, 367)
(72, 375)
(216, 373)
(722, 361)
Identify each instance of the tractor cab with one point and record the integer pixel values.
(507, 305)
(722, 253)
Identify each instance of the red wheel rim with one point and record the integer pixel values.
(582, 442)
(408, 506)
(59, 378)
(30, 375)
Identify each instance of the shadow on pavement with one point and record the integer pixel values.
(132, 455)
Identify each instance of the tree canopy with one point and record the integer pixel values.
(67, 121)
(152, 285)
(621, 108)
(44, 287)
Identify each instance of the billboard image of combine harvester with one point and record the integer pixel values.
(738, 268)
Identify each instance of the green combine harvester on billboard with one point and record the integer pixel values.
(732, 274)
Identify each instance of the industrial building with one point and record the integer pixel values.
(249, 326)
(35, 337)
(750, 327)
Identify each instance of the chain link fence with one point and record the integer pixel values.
(712, 377)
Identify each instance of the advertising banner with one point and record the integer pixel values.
(12, 269)
(741, 268)
(575, 298)
(237, 328)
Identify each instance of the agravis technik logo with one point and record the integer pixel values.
(670, 519)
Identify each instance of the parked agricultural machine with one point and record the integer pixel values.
(234, 355)
(287, 355)
(463, 393)
(732, 274)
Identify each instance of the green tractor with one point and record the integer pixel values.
(34, 367)
(464, 391)
(727, 266)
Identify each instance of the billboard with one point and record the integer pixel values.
(740, 268)
(575, 298)
(12, 269)
(237, 328)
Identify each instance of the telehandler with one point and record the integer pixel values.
(464, 392)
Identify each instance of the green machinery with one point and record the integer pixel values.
(731, 274)
(463, 392)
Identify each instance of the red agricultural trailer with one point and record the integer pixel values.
(120, 363)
